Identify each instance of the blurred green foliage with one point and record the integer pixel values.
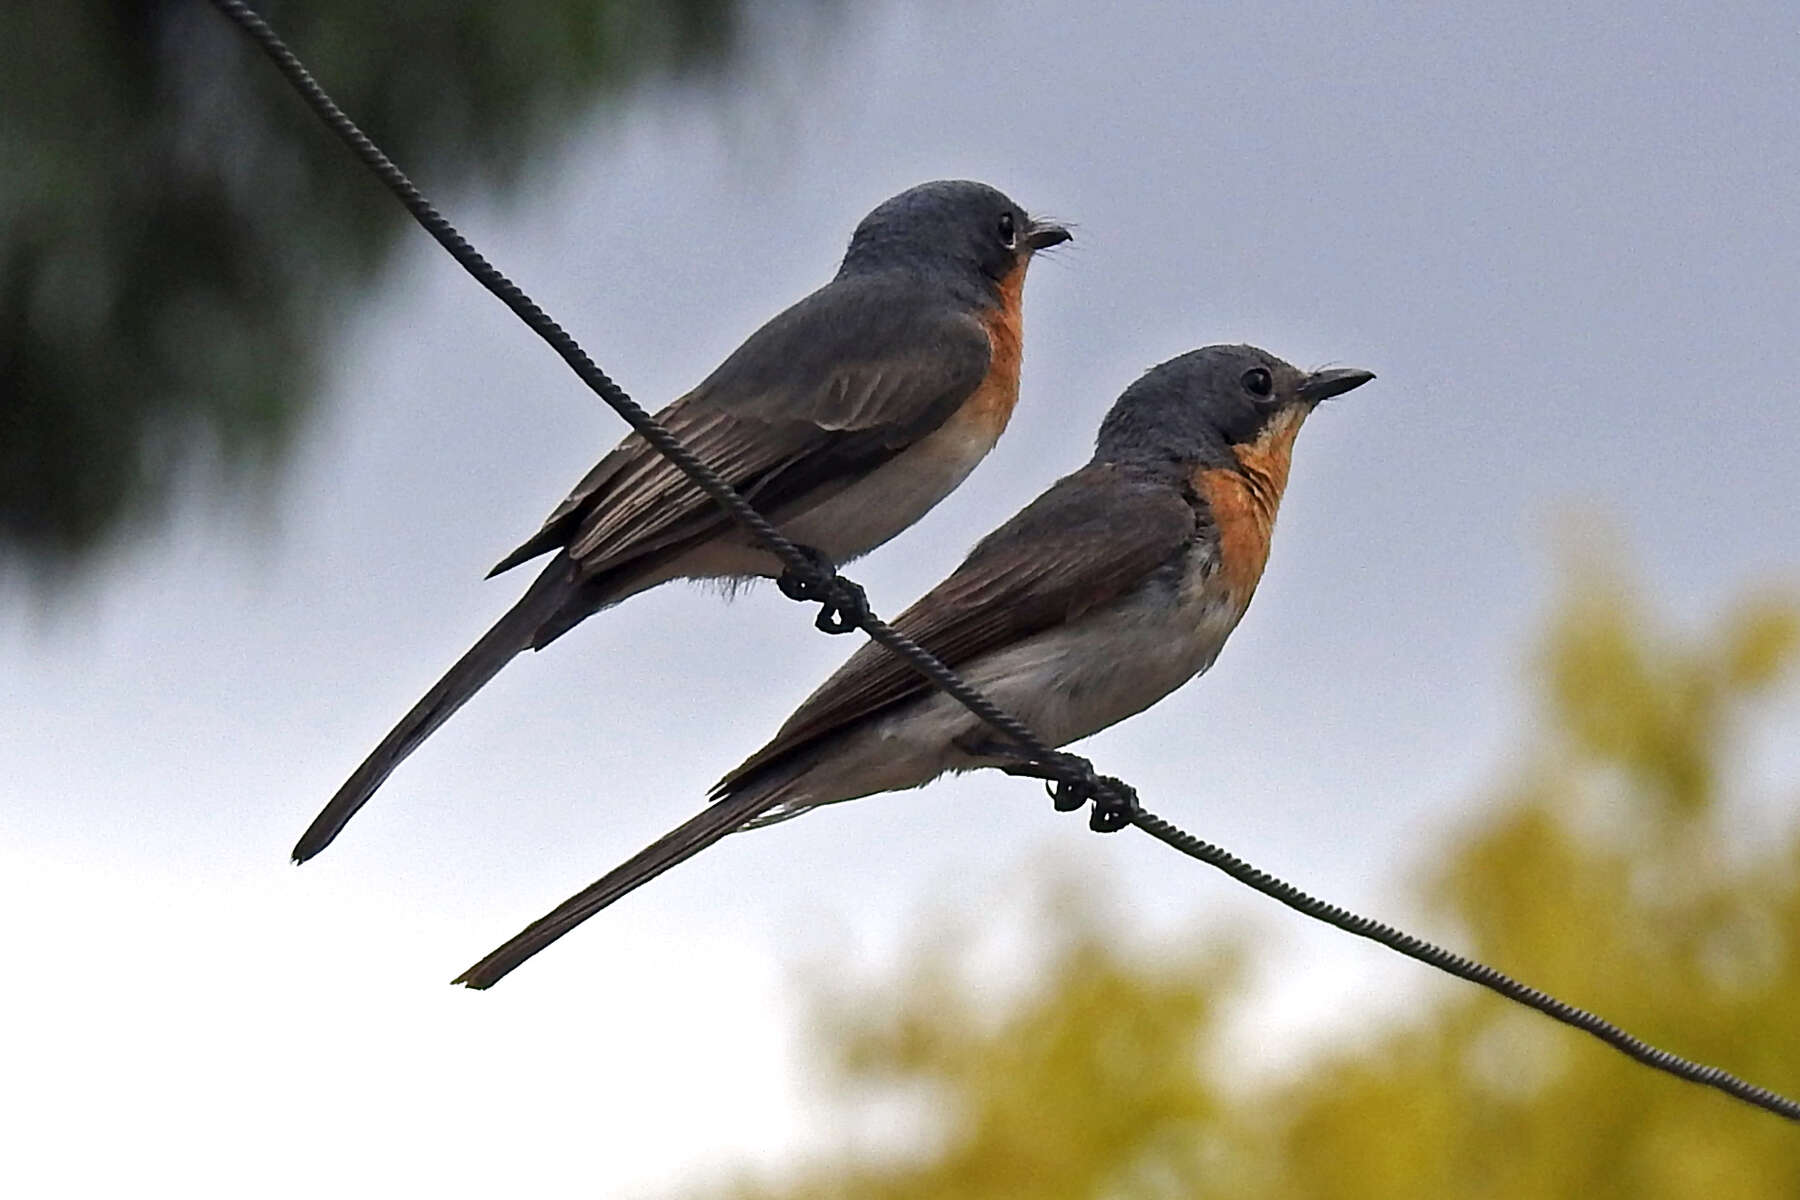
(175, 229)
(1603, 872)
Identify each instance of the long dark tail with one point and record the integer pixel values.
(678, 845)
(510, 635)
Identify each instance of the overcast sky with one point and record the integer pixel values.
(1564, 236)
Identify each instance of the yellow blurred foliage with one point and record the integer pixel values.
(1601, 873)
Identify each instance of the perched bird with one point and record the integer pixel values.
(844, 420)
(1106, 593)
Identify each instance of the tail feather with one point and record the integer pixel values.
(510, 635)
(676, 846)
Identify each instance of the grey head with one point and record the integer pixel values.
(949, 226)
(1198, 407)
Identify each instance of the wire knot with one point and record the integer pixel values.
(843, 606)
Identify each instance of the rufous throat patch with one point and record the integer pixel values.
(1244, 501)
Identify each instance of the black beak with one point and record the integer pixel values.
(1044, 234)
(1323, 385)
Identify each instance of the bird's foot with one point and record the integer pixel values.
(843, 605)
(1072, 782)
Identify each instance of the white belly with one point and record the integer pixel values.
(864, 515)
(896, 494)
(1064, 684)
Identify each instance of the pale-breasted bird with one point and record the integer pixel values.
(844, 420)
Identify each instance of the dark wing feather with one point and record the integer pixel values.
(824, 392)
(1093, 535)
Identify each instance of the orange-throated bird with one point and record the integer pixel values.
(844, 420)
(1106, 593)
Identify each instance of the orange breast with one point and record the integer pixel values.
(992, 404)
(1244, 500)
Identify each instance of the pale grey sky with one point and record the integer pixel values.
(1565, 237)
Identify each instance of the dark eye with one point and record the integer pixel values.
(1009, 232)
(1258, 382)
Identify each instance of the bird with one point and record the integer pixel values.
(844, 419)
(1117, 585)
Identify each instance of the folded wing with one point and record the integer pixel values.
(816, 398)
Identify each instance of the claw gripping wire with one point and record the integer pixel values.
(843, 605)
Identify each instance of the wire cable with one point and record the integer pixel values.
(809, 578)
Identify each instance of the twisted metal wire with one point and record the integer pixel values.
(844, 608)
(1431, 955)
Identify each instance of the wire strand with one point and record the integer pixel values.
(1115, 802)
(1432, 955)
